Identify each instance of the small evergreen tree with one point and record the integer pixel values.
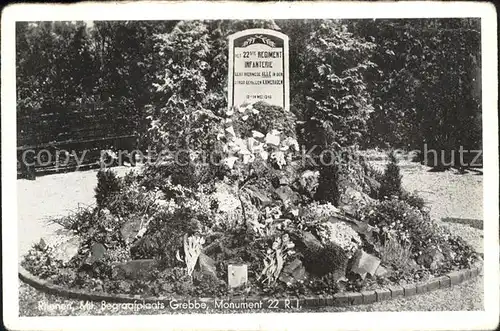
(391, 181)
(107, 185)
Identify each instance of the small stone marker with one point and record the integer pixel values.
(258, 68)
(237, 275)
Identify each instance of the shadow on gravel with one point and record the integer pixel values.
(478, 224)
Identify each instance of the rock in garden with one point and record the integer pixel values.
(206, 265)
(284, 180)
(130, 229)
(135, 269)
(365, 263)
(66, 250)
(97, 253)
(309, 241)
(340, 234)
(364, 229)
(431, 258)
(287, 195)
(258, 196)
(293, 272)
(257, 134)
(230, 133)
(381, 271)
(352, 197)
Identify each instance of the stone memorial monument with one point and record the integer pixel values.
(258, 68)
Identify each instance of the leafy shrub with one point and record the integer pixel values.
(391, 181)
(460, 254)
(133, 199)
(40, 261)
(329, 87)
(206, 285)
(340, 168)
(326, 284)
(164, 235)
(397, 218)
(372, 171)
(413, 199)
(322, 261)
(108, 184)
(80, 221)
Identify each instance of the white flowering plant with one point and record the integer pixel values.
(411, 226)
(340, 234)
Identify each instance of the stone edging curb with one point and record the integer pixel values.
(338, 299)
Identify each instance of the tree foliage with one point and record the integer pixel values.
(398, 83)
(428, 83)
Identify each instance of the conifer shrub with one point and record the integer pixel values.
(108, 184)
(328, 188)
(391, 181)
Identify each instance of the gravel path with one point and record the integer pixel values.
(49, 197)
(449, 193)
(452, 196)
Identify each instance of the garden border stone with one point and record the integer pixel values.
(338, 299)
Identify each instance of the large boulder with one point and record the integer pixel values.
(382, 271)
(258, 197)
(340, 234)
(97, 253)
(364, 230)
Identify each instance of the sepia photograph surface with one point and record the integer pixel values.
(251, 162)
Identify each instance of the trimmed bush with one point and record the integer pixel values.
(408, 224)
(328, 259)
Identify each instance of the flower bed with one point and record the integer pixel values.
(175, 229)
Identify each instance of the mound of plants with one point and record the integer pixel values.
(173, 230)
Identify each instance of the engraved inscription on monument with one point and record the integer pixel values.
(258, 68)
